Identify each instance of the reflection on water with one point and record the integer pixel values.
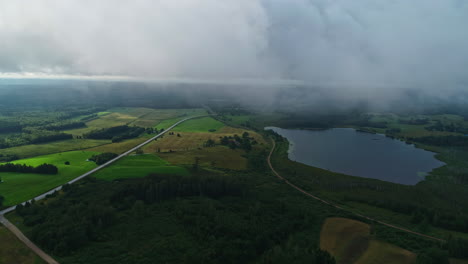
(355, 153)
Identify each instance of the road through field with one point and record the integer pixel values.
(28, 242)
(339, 207)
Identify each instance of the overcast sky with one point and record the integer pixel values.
(366, 43)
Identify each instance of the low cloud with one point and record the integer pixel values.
(365, 48)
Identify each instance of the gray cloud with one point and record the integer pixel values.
(366, 46)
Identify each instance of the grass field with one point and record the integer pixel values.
(191, 145)
(215, 157)
(349, 241)
(12, 250)
(34, 150)
(138, 166)
(138, 116)
(204, 124)
(20, 187)
(120, 147)
(190, 140)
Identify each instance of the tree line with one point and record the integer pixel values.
(23, 168)
(442, 141)
(117, 133)
(155, 188)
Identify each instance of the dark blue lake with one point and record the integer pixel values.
(347, 151)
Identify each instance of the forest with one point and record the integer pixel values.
(199, 212)
(102, 158)
(117, 133)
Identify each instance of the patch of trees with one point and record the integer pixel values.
(65, 231)
(64, 125)
(122, 218)
(245, 142)
(442, 141)
(10, 126)
(117, 133)
(412, 121)
(156, 188)
(368, 123)
(23, 168)
(103, 157)
(458, 248)
(439, 126)
(393, 131)
(33, 136)
(8, 157)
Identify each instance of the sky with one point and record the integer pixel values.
(362, 46)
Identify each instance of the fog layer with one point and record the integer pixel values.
(358, 48)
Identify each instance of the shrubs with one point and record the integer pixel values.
(117, 133)
(103, 157)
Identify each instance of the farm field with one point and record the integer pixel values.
(205, 124)
(138, 166)
(184, 149)
(189, 140)
(381, 252)
(121, 147)
(20, 187)
(133, 116)
(349, 241)
(34, 150)
(214, 157)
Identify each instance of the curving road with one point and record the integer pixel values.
(339, 207)
(28, 242)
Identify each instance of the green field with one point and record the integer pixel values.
(138, 166)
(34, 150)
(20, 187)
(196, 125)
(137, 116)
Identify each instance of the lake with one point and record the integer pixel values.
(350, 152)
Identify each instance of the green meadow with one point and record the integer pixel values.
(139, 166)
(20, 187)
(34, 150)
(204, 124)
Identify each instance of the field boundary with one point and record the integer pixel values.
(340, 207)
(28, 242)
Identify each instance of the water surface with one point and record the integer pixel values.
(347, 151)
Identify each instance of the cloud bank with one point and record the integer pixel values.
(365, 45)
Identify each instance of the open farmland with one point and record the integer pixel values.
(138, 166)
(134, 116)
(215, 157)
(19, 187)
(349, 241)
(120, 147)
(183, 148)
(33, 150)
(205, 124)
